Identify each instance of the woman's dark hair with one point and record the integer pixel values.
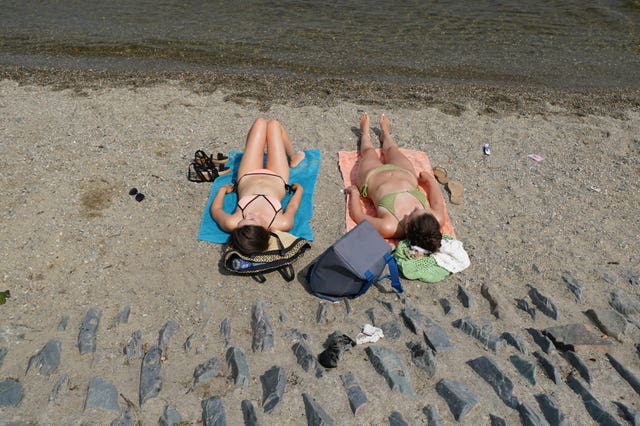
(250, 239)
(424, 231)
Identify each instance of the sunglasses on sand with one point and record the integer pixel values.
(139, 195)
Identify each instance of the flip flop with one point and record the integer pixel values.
(455, 191)
(441, 175)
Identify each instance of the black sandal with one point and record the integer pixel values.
(198, 173)
(203, 159)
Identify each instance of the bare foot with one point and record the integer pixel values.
(296, 158)
(385, 124)
(364, 124)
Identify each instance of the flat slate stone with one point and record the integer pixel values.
(125, 418)
(423, 358)
(324, 314)
(482, 332)
(249, 414)
(551, 410)
(168, 330)
(625, 373)
(541, 340)
(609, 322)
(437, 338)
(501, 384)
(133, 349)
(628, 413)
(316, 416)
(530, 417)
(225, 331)
(88, 331)
(433, 418)
(573, 285)
(62, 325)
(524, 306)
(396, 419)
(3, 353)
(62, 385)
(273, 381)
(543, 303)
(446, 305)
(237, 362)
(497, 304)
(414, 319)
(524, 367)
(459, 398)
(48, 359)
(391, 330)
(150, 375)
(515, 341)
(102, 394)
(623, 303)
(213, 412)
(464, 297)
(355, 395)
(262, 331)
(206, 371)
(497, 421)
(576, 337)
(548, 367)
(579, 365)
(11, 393)
(593, 406)
(122, 316)
(306, 359)
(387, 363)
(170, 417)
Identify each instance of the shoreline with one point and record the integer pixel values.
(73, 145)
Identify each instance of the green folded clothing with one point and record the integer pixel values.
(423, 268)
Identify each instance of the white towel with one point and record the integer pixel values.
(452, 256)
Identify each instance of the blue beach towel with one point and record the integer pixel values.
(306, 174)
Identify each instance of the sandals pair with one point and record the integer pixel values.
(206, 168)
(453, 187)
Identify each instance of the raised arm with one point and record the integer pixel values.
(221, 217)
(434, 194)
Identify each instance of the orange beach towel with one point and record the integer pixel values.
(347, 161)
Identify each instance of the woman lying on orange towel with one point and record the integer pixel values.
(261, 189)
(402, 210)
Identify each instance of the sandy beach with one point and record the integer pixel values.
(74, 239)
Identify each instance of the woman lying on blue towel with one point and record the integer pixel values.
(261, 189)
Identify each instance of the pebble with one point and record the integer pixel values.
(573, 284)
(531, 417)
(464, 297)
(316, 416)
(610, 322)
(102, 394)
(483, 332)
(237, 363)
(206, 371)
(387, 363)
(225, 331)
(523, 305)
(273, 382)
(150, 375)
(525, 367)
(48, 359)
(355, 395)
(168, 330)
(249, 413)
(262, 332)
(579, 365)
(593, 406)
(305, 358)
(457, 396)
(396, 419)
(433, 418)
(543, 303)
(170, 417)
(541, 340)
(548, 367)
(501, 384)
(11, 393)
(88, 330)
(625, 373)
(423, 358)
(123, 316)
(551, 410)
(213, 412)
(515, 341)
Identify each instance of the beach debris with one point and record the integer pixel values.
(62, 325)
(486, 149)
(273, 382)
(150, 375)
(225, 331)
(457, 396)
(609, 322)
(305, 358)
(423, 358)
(523, 305)
(625, 373)
(102, 394)
(543, 303)
(170, 417)
(541, 340)
(88, 330)
(262, 332)
(576, 337)
(47, 359)
(579, 365)
(355, 395)
(433, 418)
(464, 297)
(249, 413)
(133, 349)
(168, 330)
(62, 385)
(482, 332)
(314, 412)
(389, 365)
(396, 419)
(524, 367)
(123, 316)
(213, 412)
(369, 334)
(206, 371)
(335, 346)
(11, 393)
(536, 157)
(548, 367)
(515, 341)
(593, 406)
(4, 295)
(237, 363)
(551, 410)
(574, 285)
(530, 416)
(501, 384)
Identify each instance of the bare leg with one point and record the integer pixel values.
(294, 157)
(368, 156)
(392, 154)
(277, 149)
(252, 158)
